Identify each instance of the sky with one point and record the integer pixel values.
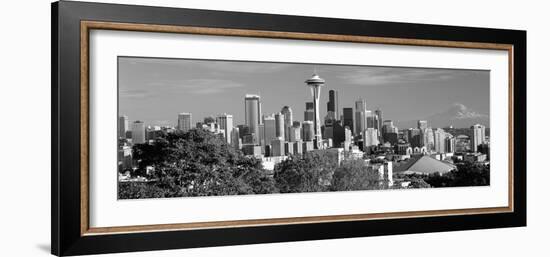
(155, 90)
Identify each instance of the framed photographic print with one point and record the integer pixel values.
(178, 128)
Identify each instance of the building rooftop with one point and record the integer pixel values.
(424, 164)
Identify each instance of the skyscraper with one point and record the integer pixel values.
(450, 143)
(348, 118)
(308, 130)
(138, 132)
(279, 125)
(370, 119)
(378, 123)
(477, 136)
(439, 140)
(428, 138)
(252, 114)
(226, 123)
(360, 116)
(287, 113)
(315, 83)
(332, 105)
(309, 113)
(269, 129)
(422, 124)
(122, 126)
(235, 139)
(184, 121)
(370, 137)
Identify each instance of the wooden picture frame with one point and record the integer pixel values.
(71, 25)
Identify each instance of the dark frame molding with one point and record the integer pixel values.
(67, 238)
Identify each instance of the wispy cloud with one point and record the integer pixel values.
(194, 86)
(133, 93)
(384, 76)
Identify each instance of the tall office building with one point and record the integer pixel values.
(309, 113)
(370, 119)
(122, 126)
(332, 105)
(308, 130)
(450, 143)
(379, 120)
(138, 132)
(184, 121)
(378, 124)
(252, 114)
(360, 116)
(428, 138)
(414, 137)
(348, 118)
(370, 137)
(225, 121)
(287, 113)
(235, 139)
(277, 147)
(477, 137)
(439, 140)
(279, 125)
(269, 129)
(295, 134)
(315, 83)
(422, 124)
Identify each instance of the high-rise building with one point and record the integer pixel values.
(261, 132)
(370, 137)
(122, 126)
(295, 134)
(243, 130)
(252, 114)
(184, 121)
(477, 136)
(308, 131)
(287, 113)
(370, 119)
(225, 121)
(309, 113)
(439, 140)
(428, 139)
(279, 125)
(422, 124)
(348, 118)
(378, 124)
(269, 129)
(138, 132)
(277, 147)
(235, 139)
(315, 83)
(450, 143)
(414, 137)
(332, 105)
(360, 116)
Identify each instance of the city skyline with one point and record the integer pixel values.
(156, 90)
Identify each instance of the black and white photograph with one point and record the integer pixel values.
(195, 127)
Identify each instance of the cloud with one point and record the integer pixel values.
(460, 111)
(212, 66)
(133, 93)
(376, 76)
(195, 86)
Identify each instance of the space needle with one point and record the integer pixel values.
(315, 83)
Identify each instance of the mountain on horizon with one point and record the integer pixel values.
(458, 116)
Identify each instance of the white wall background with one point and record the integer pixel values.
(25, 127)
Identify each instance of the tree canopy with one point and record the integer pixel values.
(196, 163)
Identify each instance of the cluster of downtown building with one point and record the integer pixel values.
(352, 133)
